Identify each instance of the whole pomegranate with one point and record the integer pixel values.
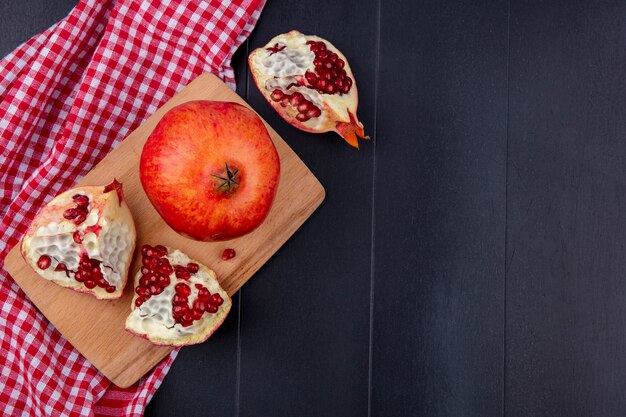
(84, 240)
(309, 83)
(211, 170)
(177, 300)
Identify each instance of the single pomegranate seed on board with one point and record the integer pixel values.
(228, 254)
(43, 262)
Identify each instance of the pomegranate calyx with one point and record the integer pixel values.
(351, 131)
(117, 186)
(276, 48)
(228, 180)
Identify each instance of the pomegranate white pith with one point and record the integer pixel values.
(177, 301)
(310, 84)
(83, 239)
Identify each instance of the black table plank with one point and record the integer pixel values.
(440, 209)
(20, 20)
(305, 315)
(566, 292)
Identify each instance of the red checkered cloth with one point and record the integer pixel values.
(68, 96)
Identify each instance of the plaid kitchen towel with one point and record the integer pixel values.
(68, 96)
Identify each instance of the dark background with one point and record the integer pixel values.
(469, 260)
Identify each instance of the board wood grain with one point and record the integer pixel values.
(95, 327)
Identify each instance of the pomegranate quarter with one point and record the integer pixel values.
(211, 170)
(309, 83)
(84, 240)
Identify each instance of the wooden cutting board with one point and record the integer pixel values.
(95, 327)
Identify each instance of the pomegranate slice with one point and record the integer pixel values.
(84, 240)
(177, 301)
(309, 83)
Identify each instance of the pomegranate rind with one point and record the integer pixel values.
(208, 323)
(338, 111)
(109, 209)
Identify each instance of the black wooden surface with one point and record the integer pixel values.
(466, 262)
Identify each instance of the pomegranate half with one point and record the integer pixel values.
(309, 83)
(84, 240)
(177, 301)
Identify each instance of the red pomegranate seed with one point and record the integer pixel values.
(144, 270)
(314, 112)
(144, 249)
(90, 284)
(284, 101)
(143, 291)
(193, 267)
(187, 318)
(43, 262)
(330, 89)
(153, 279)
(277, 95)
(197, 314)
(179, 300)
(81, 217)
(70, 213)
(199, 305)
(139, 301)
(97, 275)
(182, 272)
(60, 267)
(78, 276)
(143, 281)
(147, 261)
(166, 269)
(228, 254)
(155, 289)
(340, 63)
(322, 54)
(310, 77)
(211, 308)
(304, 106)
(320, 84)
(321, 45)
(302, 117)
(203, 294)
(160, 250)
(77, 237)
(110, 289)
(180, 309)
(296, 98)
(216, 299)
(182, 289)
(80, 199)
(164, 280)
